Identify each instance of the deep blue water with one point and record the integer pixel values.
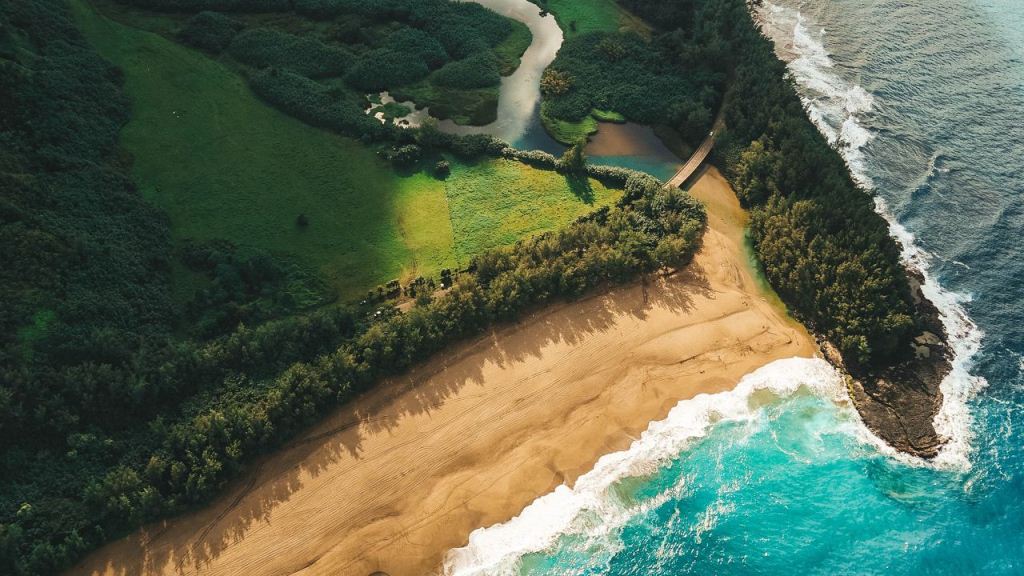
(926, 100)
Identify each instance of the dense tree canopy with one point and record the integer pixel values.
(673, 78)
(823, 247)
(119, 406)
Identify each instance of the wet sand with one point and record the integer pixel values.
(395, 479)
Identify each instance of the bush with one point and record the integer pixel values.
(218, 5)
(645, 82)
(479, 71)
(318, 105)
(405, 155)
(555, 82)
(417, 45)
(263, 47)
(383, 69)
(210, 31)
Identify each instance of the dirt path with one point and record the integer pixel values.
(397, 478)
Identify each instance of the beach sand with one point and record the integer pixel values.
(395, 479)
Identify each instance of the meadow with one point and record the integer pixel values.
(224, 165)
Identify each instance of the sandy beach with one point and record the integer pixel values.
(392, 481)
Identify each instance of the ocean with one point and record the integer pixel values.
(925, 99)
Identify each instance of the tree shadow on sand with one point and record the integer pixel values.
(192, 542)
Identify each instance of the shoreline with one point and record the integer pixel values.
(394, 480)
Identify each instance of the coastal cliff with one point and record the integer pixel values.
(899, 403)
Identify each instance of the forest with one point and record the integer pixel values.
(118, 406)
(824, 249)
(673, 78)
(438, 50)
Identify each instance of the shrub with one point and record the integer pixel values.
(263, 47)
(416, 45)
(555, 82)
(478, 71)
(210, 31)
(383, 69)
(442, 168)
(316, 104)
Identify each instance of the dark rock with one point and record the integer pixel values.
(899, 404)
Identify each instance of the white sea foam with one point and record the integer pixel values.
(837, 107)
(593, 509)
(832, 103)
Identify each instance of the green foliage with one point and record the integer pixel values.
(245, 286)
(215, 5)
(416, 45)
(388, 45)
(262, 47)
(577, 17)
(116, 408)
(406, 155)
(574, 159)
(495, 203)
(315, 103)
(565, 131)
(382, 69)
(477, 106)
(512, 48)
(210, 31)
(671, 80)
(823, 247)
(479, 71)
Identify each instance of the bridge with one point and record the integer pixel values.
(698, 157)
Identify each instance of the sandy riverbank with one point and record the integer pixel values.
(394, 480)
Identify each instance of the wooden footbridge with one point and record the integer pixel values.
(698, 157)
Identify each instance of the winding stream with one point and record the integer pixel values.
(518, 119)
(626, 145)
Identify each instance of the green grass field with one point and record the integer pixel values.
(581, 16)
(497, 202)
(222, 164)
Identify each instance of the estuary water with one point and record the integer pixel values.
(925, 99)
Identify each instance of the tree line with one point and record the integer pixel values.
(824, 249)
(116, 405)
(371, 46)
(674, 78)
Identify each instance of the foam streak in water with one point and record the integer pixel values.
(837, 108)
(591, 507)
(833, 104)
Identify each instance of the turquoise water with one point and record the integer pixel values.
(925, 99)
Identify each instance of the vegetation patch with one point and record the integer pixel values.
(674, 79)
(608, 116)
(512, 48)
(498, 202)
(476, 107)
(577, 17)
(223, 165)
(567, 132)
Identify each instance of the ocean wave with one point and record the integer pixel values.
(593, 508)
(832, 103)
(836, 107)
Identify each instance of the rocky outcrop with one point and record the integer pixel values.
(899, 404)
